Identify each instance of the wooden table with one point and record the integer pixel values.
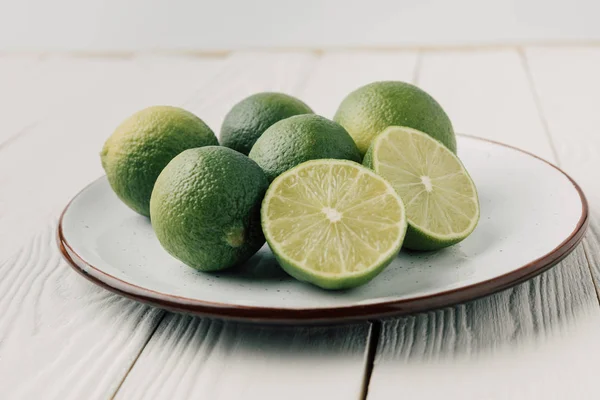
(64, 338)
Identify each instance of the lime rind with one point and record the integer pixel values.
(370, 109)
(318, 274)
(418, 236)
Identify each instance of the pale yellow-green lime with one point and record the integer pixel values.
(294, 140)
(139, 149)
(333, 223)
(370, 109)
(205, 207)
(249, 118)
(442, 206)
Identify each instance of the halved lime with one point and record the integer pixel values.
(333, 223)
(440, 197)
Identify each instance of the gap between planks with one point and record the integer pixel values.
(589, 263)
(137, 357)
(538, 103)
(371, 353)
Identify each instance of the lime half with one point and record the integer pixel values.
(440, 197)
(333, 223)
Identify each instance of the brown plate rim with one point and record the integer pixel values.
(335, 314)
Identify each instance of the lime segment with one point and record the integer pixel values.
(442, 206)
(333, 223)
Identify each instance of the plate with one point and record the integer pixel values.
(532, 216)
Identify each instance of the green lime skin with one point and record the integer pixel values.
(249, 118)
(205, 208)
(418, 240)
(295, 140)
(370, 109)
(139, 149)
(333, 282)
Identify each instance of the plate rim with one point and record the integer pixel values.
(350, 313)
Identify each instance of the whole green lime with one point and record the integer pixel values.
(370, 109)
(205, 208)
(139, 149)
(295, 140)
(249, 118)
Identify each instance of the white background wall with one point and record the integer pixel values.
(125, 25)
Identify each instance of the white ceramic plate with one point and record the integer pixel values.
(532, 216)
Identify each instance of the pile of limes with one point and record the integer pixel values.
(294, 178)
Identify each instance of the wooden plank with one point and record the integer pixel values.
(60, 336)
(37, 87)
(339, 73)
(247, 73)
(536, 340)
(567, 84)
(193, 358)
(486, 94)
(19, 80)
(42, 169)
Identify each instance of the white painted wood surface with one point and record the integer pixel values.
(486, 94)
(61, 337)
(193, 358)
(338, 73)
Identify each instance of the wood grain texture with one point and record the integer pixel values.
(60, 336)
(536, 340)
(535, 311)
(193, 358)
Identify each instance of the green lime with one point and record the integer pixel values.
(294, 140)
(441, 200)
(205, 208)
(139, 149)
(370, 109)
(333, 223)
(249, 118)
